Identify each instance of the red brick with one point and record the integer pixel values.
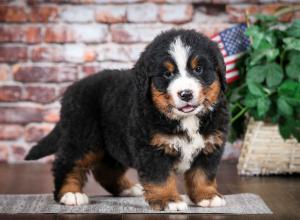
(272, 8)
(10, 93)
(35, 132)
(47, 53)
(51, 114)
(44, 73)
(33, 35)
(12, 14)
(111, 14)
(74, 14)
(90, 69)
(140, 13)
(237, 12)
(11, 34)
(297, 15)
(10, 132)
(131, 33)
(3, 152)
(58, 34)
(43, 14)
(21, 114)
(18, 152)
(35, 73)
(208, 29)
(179, 13)
(89, 33)
(67, 73)
(4, 72)
(42, 94)
(13, 53)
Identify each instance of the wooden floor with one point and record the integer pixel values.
(281, 193)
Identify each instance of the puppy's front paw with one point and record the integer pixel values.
(177, 206)
(168, 205)
(213, 202)
(135, 190)
(72, 199)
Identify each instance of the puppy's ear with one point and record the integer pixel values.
(220, 69)
(142, 80)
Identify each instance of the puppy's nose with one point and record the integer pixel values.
(185, 95)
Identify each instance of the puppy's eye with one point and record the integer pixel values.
(198, 70)
(168, 75)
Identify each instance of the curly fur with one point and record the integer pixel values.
(112, 113)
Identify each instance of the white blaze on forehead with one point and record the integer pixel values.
(183, 81)
(180, 54)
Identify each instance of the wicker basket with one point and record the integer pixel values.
(264, 151)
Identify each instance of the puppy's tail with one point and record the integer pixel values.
(47, 146)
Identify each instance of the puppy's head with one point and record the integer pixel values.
(183, 73)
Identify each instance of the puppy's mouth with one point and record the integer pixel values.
(188, 108)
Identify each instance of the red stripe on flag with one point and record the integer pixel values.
(232, 79)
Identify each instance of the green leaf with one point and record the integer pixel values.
(256, 74)
(263, 105)
(255, 88)
(256, 35)
(283, 107)
(250, 101)
(293, 70)
(291, 43)
(294, 29)
(261, 39)
(288, 88)
(274, 74)
(266, 18)
(270, 54)
(288, 127)
(285, 130)
(293, 67)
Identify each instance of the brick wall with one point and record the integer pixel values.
(46, 45)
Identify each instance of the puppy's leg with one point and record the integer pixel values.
(201, 183)
(164, 195)
(70, 177)
(111, 175)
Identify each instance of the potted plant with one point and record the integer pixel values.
(265, 101)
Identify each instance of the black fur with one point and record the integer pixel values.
(112, 111)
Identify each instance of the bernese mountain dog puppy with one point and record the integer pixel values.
(166, 115)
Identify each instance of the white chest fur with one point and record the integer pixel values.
(188, 148)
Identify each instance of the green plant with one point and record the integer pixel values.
(269, 84)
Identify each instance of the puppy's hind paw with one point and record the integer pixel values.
(135, 190)
(216, 201)
(73, 199)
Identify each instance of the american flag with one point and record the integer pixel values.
(233, 43)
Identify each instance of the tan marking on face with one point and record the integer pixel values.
(162, 141)
(213, 141)
(209, 95)
(194, 63)
(198, 186)
(162, 101)
(76, 178)
(170, 67)
(158, 195)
